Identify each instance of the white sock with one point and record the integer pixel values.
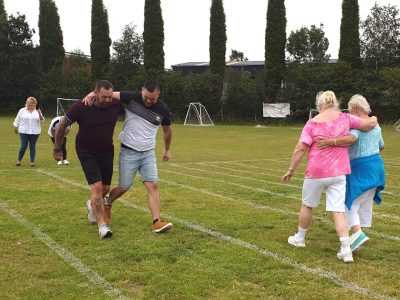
(344, 246)
(301, 233)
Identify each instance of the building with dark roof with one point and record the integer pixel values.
(251, 66)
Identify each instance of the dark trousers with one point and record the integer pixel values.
(26, 139)
(63, 147)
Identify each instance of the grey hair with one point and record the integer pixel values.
(360, 102)
(326, 99)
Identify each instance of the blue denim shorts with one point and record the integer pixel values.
(131, 161)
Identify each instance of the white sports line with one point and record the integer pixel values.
(67, 256)
(393, 217)
(265, 252)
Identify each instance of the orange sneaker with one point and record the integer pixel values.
(160, 226)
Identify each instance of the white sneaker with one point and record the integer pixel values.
(90, 215)
(346, 256)
(296, 241)
(59, 163)
(104, 231)
(66, 162)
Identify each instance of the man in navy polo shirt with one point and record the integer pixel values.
(94, 146)
(145, 112)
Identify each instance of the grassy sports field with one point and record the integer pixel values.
(231, 214)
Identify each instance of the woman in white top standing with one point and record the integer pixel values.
(27, 124)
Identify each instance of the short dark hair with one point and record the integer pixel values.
(103, 84)
(151, 86)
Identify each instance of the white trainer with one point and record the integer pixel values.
(90, 215)
(59, 163)
(104, 231)
(296, 241)
(66, 162)
(346, 256)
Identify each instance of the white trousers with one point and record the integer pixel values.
(361, 210)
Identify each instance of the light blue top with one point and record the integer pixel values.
(367, 144)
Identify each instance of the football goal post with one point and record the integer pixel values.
(63, 105)
(197, 115)
(397, 125)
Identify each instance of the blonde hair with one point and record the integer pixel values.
(29, 101)
(360, 102)
(326, 99)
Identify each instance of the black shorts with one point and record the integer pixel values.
(97, 166)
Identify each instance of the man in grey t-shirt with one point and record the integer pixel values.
(145, 112)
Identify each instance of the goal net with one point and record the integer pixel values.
(63, 105)
(397, 125)
(314, 112)
(197, 115)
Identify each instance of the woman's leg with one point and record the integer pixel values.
(305, 216)
(32, 145)
(24, 144)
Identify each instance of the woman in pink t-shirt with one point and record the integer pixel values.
(326, 169)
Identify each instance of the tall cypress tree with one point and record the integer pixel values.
(217, 38)
(275, 41)
(2, 9)
(4, 61)
(153, 38)
(349, 50)
(3, 30)
(101, 42)
(50, 36)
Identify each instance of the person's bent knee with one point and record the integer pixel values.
(97, 188)
(151, 185)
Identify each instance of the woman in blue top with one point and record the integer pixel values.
(367, 178)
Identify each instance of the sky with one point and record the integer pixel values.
(187, 23)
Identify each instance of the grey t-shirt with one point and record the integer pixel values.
(141, 122)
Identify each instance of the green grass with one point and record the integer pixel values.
(231, 216)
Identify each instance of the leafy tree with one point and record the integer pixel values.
(217, 38)
(349, 50)
(308, 45)
(77, 59)
(50, 35)
(101, 42)
(128, 50)
(237, 56)
(3, 34)
(153, 38)
(19, 74)
(127, 57)
(380, 40)
(275, 41)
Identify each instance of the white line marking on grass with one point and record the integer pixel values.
(247, 187)
(67, 256)
(230, 199)
(265, 252)
(268, 253)
(252, 172)
(285, 212)
(237, 176)
(261, 168)
(234, 184)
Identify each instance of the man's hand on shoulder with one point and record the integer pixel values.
(89, 99)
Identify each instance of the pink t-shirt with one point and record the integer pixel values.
(331, 161)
